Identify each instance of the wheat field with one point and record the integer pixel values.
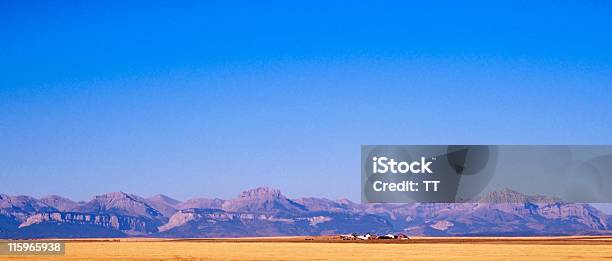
(151, 249)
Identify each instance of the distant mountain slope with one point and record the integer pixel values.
(201, 203)
(16, 209)
(167, 206)
(59, 203)
(321, 204)
(218, 223)
(115, 213)
(20, 207)
(267, 212)
(120, 203)
(262, 200)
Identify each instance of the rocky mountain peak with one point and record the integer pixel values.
(23, 203)
(60, 203)
(165, 199)
(261, 192)
(262, 199)
(507, 195)
(115, 195)
(120, 203)
(164, 204)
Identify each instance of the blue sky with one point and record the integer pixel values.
(209, 98)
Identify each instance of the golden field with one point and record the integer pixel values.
(590, 248)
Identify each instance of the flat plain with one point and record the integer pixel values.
(332, 248)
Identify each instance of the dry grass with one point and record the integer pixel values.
(496, 249)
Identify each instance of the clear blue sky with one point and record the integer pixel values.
(208, 98)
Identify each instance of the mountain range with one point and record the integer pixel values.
(267, 212)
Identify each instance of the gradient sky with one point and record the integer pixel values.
(209, 98)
